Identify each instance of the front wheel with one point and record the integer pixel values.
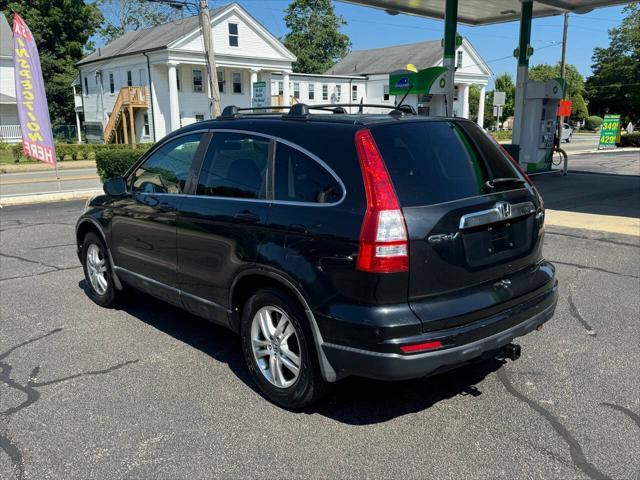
(279, 351)
(97, 271)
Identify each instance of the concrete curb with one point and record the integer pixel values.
(597, 152)
(8, 168)
(48, 197)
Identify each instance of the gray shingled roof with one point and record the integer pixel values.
(389, 59)
(4, 98)
(6, 37)
(149, 39)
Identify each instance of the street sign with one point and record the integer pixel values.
(564, 108)
(259, 94)
(609, 132)
(499, 98)
(497, 110)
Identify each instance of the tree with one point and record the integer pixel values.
(61, 28)
(504, 83)
(474, 100)
(121, 16)
(314, 35)
(615, 84)
(575, 85)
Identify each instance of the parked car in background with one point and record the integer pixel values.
(567, 132)
(388, 246)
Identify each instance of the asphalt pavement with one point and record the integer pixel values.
(149, 391)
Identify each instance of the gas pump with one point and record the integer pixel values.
(540, 127)
(431, 84)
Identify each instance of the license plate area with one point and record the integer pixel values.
(496, 243)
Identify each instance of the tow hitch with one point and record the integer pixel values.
(511, 351)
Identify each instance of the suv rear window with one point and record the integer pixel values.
(439, 161)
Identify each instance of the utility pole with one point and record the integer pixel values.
(209, 55)
(562, 70)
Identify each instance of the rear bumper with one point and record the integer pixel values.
(468, 343)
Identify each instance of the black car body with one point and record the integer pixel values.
(410, 245)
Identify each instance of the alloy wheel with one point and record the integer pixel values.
(97, 269)
(276, 346)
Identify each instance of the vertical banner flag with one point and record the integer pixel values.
(33, 111)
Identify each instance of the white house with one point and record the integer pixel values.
(148, 83)
(376, 65)
(9, 123)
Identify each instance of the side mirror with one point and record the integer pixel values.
(115, 187)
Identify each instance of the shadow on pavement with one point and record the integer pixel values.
(354, 401)
(596, 193)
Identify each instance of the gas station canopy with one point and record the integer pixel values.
(484, 12)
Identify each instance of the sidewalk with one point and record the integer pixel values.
(39, 166)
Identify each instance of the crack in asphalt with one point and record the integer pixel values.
(575, 313)
(575, 450)
(20, 277)
(596, 269)
(54, 246)
(33, 395)
(597, 239)
(21, 225)
(632, 415)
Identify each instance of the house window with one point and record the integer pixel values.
(455, 94)
(296, 89)
(354, 93)
(338, 93)
(237, 82)
(233, 34)
(197, 80)
(146, 124)
(280, 88)
(178, 76)
(112, 85)
(199, 117)
(129, 79)
(459, 59)
(312, 91)
(385, 93)
(86, 86)
(220, 75)
(325, 91)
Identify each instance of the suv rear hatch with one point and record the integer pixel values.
(473, 220)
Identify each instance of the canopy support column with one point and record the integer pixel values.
(523, 53)
(449, 57)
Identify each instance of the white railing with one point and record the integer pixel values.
(10, 132)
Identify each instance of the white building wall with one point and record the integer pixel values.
(7, 81)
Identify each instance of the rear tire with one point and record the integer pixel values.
(279, 350)
(97, 271)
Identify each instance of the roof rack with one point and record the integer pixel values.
(300, 111)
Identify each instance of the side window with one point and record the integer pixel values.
(235, 166)
(299, 178)
(166, 170)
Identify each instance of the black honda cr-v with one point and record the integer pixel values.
(389, 246)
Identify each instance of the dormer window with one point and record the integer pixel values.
(233, 34)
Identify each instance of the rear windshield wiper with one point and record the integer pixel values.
(498, 183)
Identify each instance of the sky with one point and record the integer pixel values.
(373, 28)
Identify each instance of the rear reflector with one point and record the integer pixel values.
(420, 347)
(384, 244)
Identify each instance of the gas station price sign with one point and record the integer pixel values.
(609, 132)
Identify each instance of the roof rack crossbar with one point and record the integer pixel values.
(301, 110)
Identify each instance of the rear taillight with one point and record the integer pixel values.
(384, 246)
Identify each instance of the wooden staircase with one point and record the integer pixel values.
(129, 99)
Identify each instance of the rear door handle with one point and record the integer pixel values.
(247, 217)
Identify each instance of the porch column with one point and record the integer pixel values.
(174, 103)
(481, 106)
(465, 100)
(78, 127)
(285, 88)
(254, 79)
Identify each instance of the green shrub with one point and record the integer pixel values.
(74, 151)
(114, 162)
(593, 122)
(501, 134)
(630, 140)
